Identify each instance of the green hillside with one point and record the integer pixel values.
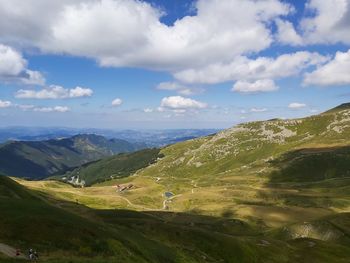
(315, 164)
(68, 232)
(39, 159)
(270, 173)
(118, 166)
(28, 220)
(251, 144)
(341, 107)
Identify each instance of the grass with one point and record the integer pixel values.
(236, 194)
(28, 221)
(308, 165)
(76, 233)
(40, 159)
(118, 166)
(69, 232)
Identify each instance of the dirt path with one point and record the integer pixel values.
(10, 251)
(169, 199)
(146, 208)
(134, 205)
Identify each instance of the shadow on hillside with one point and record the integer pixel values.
(34, 219)
(311, 165)
(65, 230)
(310, 178)
(151, 220)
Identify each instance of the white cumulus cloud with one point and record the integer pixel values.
(264, 85)
(5, 103)
(54, 92)
(130, 32)
(243, 68)
(296, 105)
(26, 107)
(181, 103)
(324, 22)
(287, 34)
(330, 22)
(179, 88)
(258, 110)
(13, 68)
(52, 109)
(117, 102)
(335, 72)
(80, 92)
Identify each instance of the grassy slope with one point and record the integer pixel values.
(27, 221)
(308, 165)
(232, 173)
(237, 174)
(54, 228)
(34, 159)
(118, 166)
(235, 164)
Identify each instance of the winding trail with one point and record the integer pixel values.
(134, 205)
(146, 208)
(169, 199)
(10, 251)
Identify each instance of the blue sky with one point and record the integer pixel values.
(171, 64)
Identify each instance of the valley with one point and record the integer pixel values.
(268, 191)
(40, 159)
(175, 131)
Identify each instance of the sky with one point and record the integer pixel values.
(161, 64)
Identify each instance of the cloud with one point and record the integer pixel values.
(117, 102)
(258, 110)
(243, 68)
(286, 33)
(180, 103)
(330, 22)
(264, 85)
(130, 33)
(52, 109)
(80, 92)
(179, 88)
(5, 103)
(29, 107)
(296, 105)
(325, 22)
(13, 68)
(11, 63)
(26, 107)
(54, 92)
(335, 72)
(148, 110)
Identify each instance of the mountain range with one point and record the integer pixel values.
(150, 138)
(39, 159)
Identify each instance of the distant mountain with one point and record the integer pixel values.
(39, 159)
(152, 138)
(34, 133)
(160, 138)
